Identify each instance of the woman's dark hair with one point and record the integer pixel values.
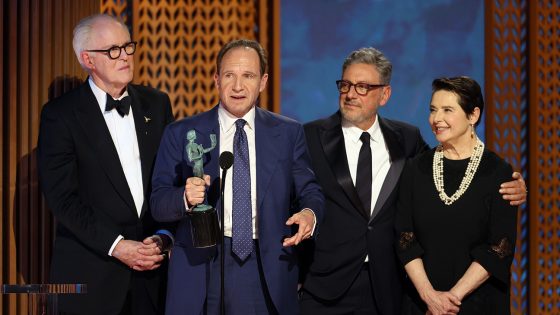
(467, 90)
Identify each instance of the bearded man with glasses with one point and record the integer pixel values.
(97, 146)
(358, 156)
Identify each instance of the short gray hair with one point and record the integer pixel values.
(374, 57)
(83, 32)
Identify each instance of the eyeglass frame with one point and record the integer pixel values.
(367, 86)
(121, 48)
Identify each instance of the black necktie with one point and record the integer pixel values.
(363, 173)
(122, 105)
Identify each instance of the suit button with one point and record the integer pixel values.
(370, 228)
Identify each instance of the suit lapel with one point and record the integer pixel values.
(141, 114)
(393, 141)
(95, 128)
(332, 141)
(266, 146)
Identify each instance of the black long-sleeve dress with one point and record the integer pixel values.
(479, 226)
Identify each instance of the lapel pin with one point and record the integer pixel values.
(147, 119)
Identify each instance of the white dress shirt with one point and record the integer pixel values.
(123, 133)
(380, 158)
(227, 132)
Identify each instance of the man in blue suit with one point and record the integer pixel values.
(271, 190)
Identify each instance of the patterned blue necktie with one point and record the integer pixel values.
(242, 225)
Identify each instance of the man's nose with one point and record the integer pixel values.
(237, 86)
(352, 92)
(124, 55)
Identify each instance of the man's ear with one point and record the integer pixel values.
(87, 61)
(262, 84)
(386, 95)
(217, 80)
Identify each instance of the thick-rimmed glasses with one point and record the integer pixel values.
(361, 88)
(115, 51)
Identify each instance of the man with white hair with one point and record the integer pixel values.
(96, 150)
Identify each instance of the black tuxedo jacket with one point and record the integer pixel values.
(86, 189)
(348, 234)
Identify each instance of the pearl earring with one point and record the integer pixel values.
(472, 131)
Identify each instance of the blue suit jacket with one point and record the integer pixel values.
(285, 185)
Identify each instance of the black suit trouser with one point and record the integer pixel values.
(358, 299)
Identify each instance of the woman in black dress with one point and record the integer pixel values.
(455, 233)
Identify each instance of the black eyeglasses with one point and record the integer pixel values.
(361, 88)
(115, 51)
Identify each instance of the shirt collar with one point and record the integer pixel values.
(101, 95)
(227, 119)
(354, 133)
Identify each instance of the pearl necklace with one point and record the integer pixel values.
(437, 168)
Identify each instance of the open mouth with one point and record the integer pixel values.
(440, 129)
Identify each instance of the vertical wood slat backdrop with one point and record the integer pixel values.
(506, 114)
(269, 37)
(37, 63)
(523, 125)
(544, 157)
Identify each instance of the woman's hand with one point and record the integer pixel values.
(438, 302)
(441, 303)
